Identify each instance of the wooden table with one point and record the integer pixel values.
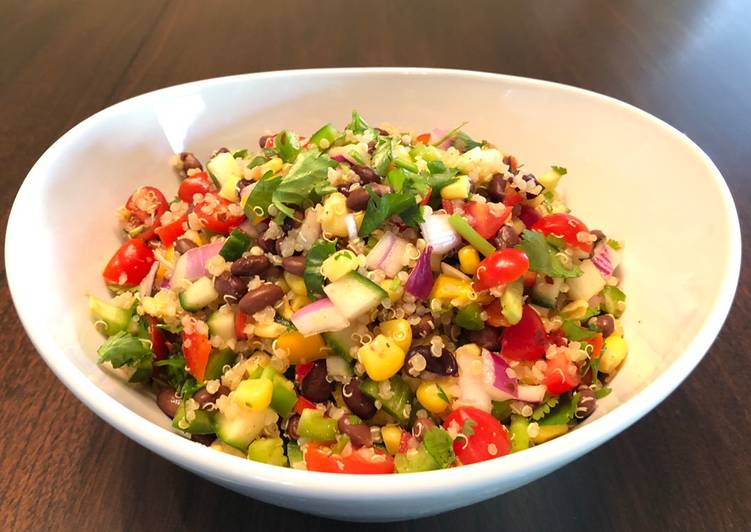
(683, 467)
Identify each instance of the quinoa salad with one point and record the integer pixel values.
(364, 300)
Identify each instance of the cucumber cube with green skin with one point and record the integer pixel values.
(217, 360)
(315, 427)
(511, 302)
(414, 462)
(115, 319)
(202, 423)
(268, 451)
(611, 296)
(354, 295)
(341, 342)
(399, 404)
(546, 294)
(198, 295)
(295, 456)
(222, 323)
(519, 435)
(241, 428)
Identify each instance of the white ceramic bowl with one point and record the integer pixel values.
(629, 174)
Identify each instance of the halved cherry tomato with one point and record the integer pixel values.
(556, 338)
(241, 320)
(484, 219)
(146, 205)
(424, 138)
(130, 264)
(198, 183)
(303, 369)
(448, 206)
(214, 214)
(501, 267)
(172, 231)
(303, 404)
(484, 436)
(512, 197)
(561, 375)
(318, 458)
(566, 227)
(196, 349)
(158, 345)
(527, 339)
(495, 314)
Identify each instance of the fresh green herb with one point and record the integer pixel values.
(261, 195)
(396, 178)
(464, 142)
(573, 331)
(467, 429)
(594, 367)
(307, 176)
(450, 134)
(442, 394)
(440, 176)
(544, 408)
(560, 170)
(177, 377)
(406, 165)
(614, 244)
(319, 252)
(563, 413)
(287, 145)
(383, 154)
(240, 154)
(357, 125)
(543, 257)
(440, 446)
(603, 392)
(124, 349)
(556, 242)
(381, 208)
(258, 160)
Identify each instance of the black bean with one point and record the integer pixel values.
(293, 222)
(270, 245)
(343, 189)
(359, 433)
(250, 265)
(294, 265)
(488, 338)
(423, 327)
(587, 402)
(506, 237)
(168, 401)
(360, 404)
(203, 439)
(314, 386)
(292, 423)
(605, 324)
(421, 427)
(497, 188)
(533, 183)
(358, 200)
(265, 295)
(230, 287)
(203, 397)
(382, 132)
(420, 359)
(190, 161)
(183, 245)
(367, 175)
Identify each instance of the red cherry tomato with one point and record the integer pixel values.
(196, 349)
(561, 375)
(596, 343)
(501, 267)
(130, 264)
(303, 404)
(198, 183)
(511, 196)
(484, 436)
(527, 339)
(448, 206)
(566, 227)
(486, 219)
(146, 205)
(303, 369)
(172, 231)
(241, 320)
(213, 211)
(318, 458)
(424, 138)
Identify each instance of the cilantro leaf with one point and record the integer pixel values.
(440, 176)
(560, 170)
(603, 392)
(573, 331)
(442, 394)
(261, 195)
(357, 124)
(240, 154)
(319, 252)
(258, 160)
(287, 145)
(382, 155)
(440, 446)
(464, 142)
(124, 349)
(308, 175)
(381, 208)
(467, 429)
(543, 409)
(543, 257)
(563, 413)
(177, 377)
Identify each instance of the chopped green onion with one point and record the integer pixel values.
(461, 226)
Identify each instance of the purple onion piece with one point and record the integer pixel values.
(420, 281)
(502, 381)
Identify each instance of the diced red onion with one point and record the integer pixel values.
(395, 259)
(602, 259)
(380, 250)
(319, 316)
(192, 264)
(502, 381)
(420, 281)
(339, 158)
(528, 215)
(147, 284)
(437, 134)
(531, 393)
(439, 234)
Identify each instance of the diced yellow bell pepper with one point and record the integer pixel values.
(614, 350)
(548, 432)
(331, 215)
(296, 284)
(400, 331)
(451, 290)
(382, 358)
(469, 260)
(300, 349)
(459, 189)
(169, 255)
(339, 264)
(429, 396)
(255, 393)
(392, 437)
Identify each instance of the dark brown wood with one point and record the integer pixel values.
(684, 467)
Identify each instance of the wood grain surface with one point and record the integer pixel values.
(685, 466)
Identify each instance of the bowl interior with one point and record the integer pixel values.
(629, 175)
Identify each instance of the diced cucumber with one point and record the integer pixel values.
(549, 180)
(224, 167)
(397, 404)
(327, 132)
(244, 426)
(295, 456)
(222, 323)
(589, 284)
(268, 451)
(198, 295)
(116, 319)
(341, 342)
(314, 426)
(519, 435)
(201, 424)
(611, 296)
(546, 294)
(354, 295)
(511, 301)
(414, 462)
(217, 360)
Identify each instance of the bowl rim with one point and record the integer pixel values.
(314, 485)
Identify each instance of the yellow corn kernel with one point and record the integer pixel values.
(429, 396)
(450, 290)
(394, 288)
(299, 302)
(400, 331)
(285, 309)
(269, 330)
(392, 437)
(575, 310)
(382, 358)
(169, 255)
(331, 215)
(459, 189)
(614, 350)
(296, 284)
(274, 165)
(548, 432)
(299, 349)
(339, 264)
(469, 260)
(255, 393)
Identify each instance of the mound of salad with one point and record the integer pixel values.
(365, 300)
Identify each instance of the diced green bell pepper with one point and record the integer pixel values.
(327, 132)
(519, 435)
(396, 405)
(202, 423)
(469, 317)
(217, 360)
(314, 426)
(414, 462)
(268, 451)
(236, 244)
